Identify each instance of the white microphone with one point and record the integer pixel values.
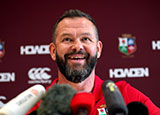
(22, 103)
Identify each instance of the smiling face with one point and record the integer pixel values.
(76, 48)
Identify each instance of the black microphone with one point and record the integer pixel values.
(33, 113)
(113, 99)
(57, 101)
(137, 108)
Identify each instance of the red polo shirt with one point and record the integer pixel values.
(129, 94)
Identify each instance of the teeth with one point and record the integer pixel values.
(76, 57)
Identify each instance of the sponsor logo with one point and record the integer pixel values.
(156, 45)
(127, 44)
(27, 97)
(7, 77)
(2, 50)
(24, 99)
(39, 75)
(34, 91)
(1, 101)
(130, 73)
(33, 50)
(111, 87)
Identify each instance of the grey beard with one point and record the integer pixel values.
(75, 75)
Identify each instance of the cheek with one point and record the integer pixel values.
(62, 50)
(92, 50)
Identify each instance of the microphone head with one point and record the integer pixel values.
(22, 103)
(82, 100)
(57, 100)
(113, 99)
(137, 108)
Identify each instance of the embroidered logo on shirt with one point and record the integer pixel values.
(102, 111)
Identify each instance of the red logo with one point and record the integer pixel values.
(34, 91)
(2, 50)
(127, 44)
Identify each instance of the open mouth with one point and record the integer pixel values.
(76, 57)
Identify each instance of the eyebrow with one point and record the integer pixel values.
(85, 34)
(66, 34)
(69, 34)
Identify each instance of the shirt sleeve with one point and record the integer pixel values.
(131, 94)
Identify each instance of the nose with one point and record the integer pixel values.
(77, 46)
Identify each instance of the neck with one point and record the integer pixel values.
(84, 86)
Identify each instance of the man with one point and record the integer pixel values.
(76, 48)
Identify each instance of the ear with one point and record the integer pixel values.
(99, 48)
(52, 50)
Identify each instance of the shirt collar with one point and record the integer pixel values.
(97, 89)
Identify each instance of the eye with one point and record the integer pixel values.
(67, 39)
(85, 39)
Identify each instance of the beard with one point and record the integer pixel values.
(71, 73)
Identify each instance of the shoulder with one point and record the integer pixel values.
(125, 87)
(122, 84)
(54, 82)
(130, 93)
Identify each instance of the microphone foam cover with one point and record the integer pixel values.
(57, 100)
(137, 108)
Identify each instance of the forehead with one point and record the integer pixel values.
(75, 23)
